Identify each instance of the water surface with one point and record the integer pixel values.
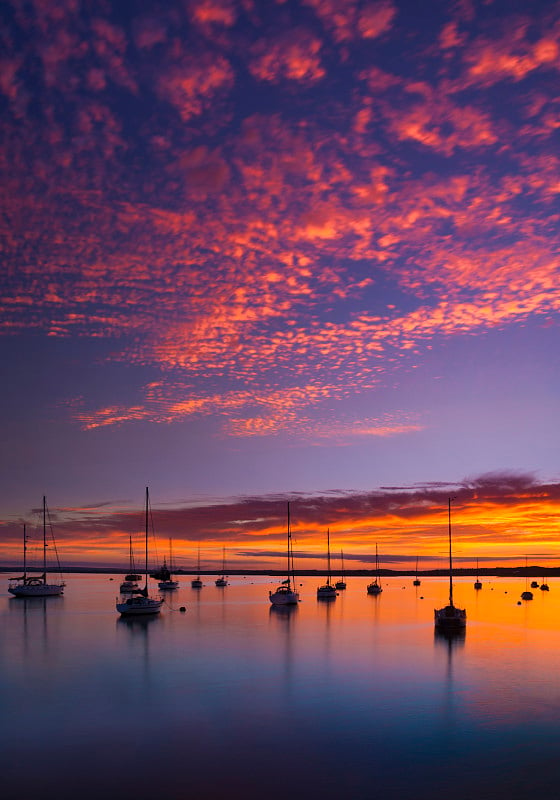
(350, 698)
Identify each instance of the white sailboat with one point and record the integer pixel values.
(375, 586)
(416, 581)
(130, 583)
(196, 583)
(327, 591)
(285, 594)
(37, 585)
(450, 618)
(167, 583)
(140, 604)
(222, 580)
(341, 584)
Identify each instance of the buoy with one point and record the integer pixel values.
(182, 608)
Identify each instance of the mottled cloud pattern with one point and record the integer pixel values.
(223, 187)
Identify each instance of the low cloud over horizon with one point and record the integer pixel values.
(498, 515)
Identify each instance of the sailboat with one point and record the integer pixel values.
(375, 586)
(222, 580)
(544, 586)
(36, 586)
(477, 583)
(196, 583)
(450, 618)
(140, 604)
(416, 581)
(285, 595)
(130, 583)
(167, 583)
(527, 594)
(341, 584)
(327, 591)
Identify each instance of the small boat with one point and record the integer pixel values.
(222, 580)
(534, 585)
(327, 591)
(140, 604)
(544, 586)
(130, 583)
(527, 594)
(37, 585)
(416, 581)
(477, 583)
(167, 583)
(341, 584)
(450, 618)
(375, 586)
(285, 594)
(196, 583)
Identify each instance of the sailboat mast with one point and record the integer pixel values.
(450, 554)
(44, 534)
(289, 547)
(24, 553)
(147, 500)
(328, 555)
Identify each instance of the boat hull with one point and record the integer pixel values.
(37, 590)
(196, 584)
(340, 585)
(374, 588)
(450, 618)
(283, 598)
(221, 582)
(326, 593)
(168, 586)
(139, 606)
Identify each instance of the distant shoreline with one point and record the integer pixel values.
(497, 572)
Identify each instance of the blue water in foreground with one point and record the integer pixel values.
(356, 698)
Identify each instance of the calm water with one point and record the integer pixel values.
(352, 698)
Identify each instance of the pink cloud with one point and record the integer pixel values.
(192, 86)
(293, 56)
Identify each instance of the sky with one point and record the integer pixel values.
(260, 251)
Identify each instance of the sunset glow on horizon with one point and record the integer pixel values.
(302, 250)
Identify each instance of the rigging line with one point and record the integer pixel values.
(168, 606)
(153, 530)
(54, 541)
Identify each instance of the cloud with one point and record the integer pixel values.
(268, 222)
(495, 516)
(192, 85)
(293, 56)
